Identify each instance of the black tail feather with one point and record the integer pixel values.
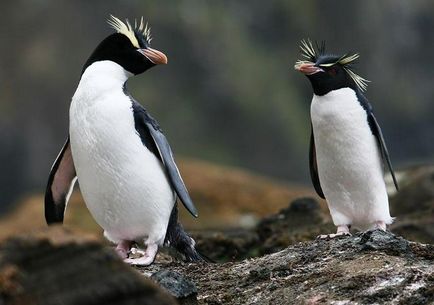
(194, 255)
(180, 241)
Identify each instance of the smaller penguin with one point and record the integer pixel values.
(347, 148)
(124, 164)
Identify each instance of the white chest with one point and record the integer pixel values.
(341, 128)
(348, 158)
(123, 184)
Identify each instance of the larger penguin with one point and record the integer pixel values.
(123, 162)
(347, 146)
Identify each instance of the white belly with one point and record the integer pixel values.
(349, 161)
(123, 184)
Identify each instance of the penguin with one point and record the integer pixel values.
(347, 148)
(119, 155)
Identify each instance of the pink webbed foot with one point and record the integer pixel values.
(147, 258)
(341, 231)
(380, 225)
(123, 248)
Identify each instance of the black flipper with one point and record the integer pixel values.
(60, 184)
(376, 130)
(179, 240)
(313, 166)
(154, 139)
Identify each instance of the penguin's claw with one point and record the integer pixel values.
(123, 248)
(343, 230)
(122, 253)
(138, 251)
(141, 261)
(334, 235)
(380, 225)
(147, 258)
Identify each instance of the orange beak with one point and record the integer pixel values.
(308, 68)
(155, 56)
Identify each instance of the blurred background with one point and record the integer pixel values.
(229, 96)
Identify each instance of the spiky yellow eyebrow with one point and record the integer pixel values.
(308, 51)
(127, 30)
(143, 28)
(345, 61)
(328, 65)
(361, 82)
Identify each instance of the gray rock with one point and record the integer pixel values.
(373, 267)
(177, 285)
(385, 241)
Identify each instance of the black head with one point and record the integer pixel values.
(129, 47)
(328, 72)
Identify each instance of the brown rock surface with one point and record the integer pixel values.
(413, 205)
(56, 266)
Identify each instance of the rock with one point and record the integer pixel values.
(385, 241)
(230, 197)
(413, 205)
(305, 218)
(302, 220)
(177, 285)
(416, 192)
(228, 246)
(56, 266)
(374, 267)
(301, 212)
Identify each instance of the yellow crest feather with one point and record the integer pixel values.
(311, 54)
(124, 28)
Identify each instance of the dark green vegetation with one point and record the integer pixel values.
(230, 86)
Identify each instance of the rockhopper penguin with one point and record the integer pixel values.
(347, 148)
(118, 153)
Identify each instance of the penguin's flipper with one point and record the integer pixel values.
(60, 185)
(145, 126)
(314, 167)
(376, 130)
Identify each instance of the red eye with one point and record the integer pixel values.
(332, 71)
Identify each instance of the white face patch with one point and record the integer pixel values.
(127, 30)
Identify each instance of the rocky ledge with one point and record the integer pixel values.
(374, 267)
(60, 267)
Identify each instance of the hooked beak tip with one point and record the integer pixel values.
(155, 56)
